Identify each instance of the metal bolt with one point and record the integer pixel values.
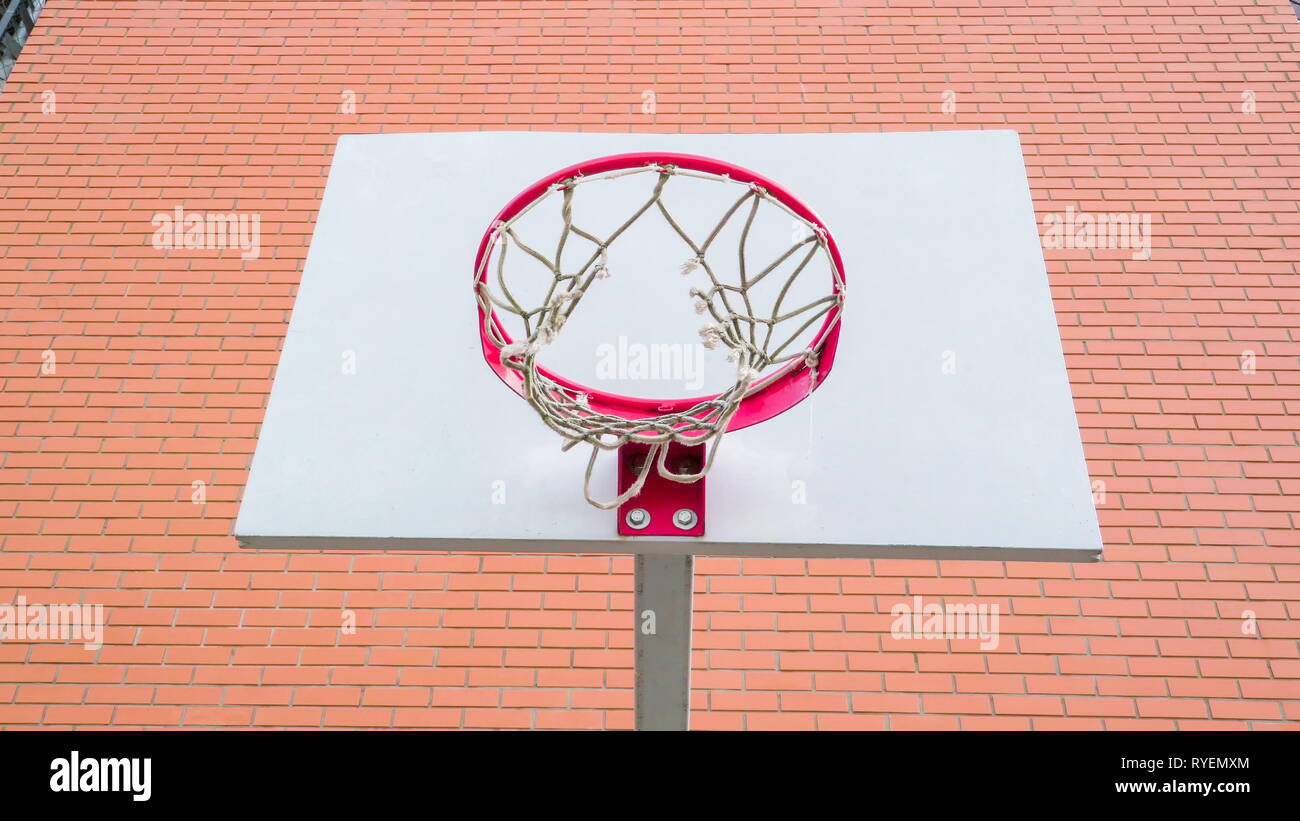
(637, 518)
(685, 519)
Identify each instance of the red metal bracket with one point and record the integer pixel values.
(663, 507)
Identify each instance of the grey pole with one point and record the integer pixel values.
(664, 587)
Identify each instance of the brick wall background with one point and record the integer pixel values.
(1186, 111)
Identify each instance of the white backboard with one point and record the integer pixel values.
(946, 430)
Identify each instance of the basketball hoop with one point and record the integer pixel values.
(669, 435)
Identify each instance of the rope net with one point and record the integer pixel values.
(760, 342)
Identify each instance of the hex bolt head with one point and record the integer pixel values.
(687, 466)
(637, 518)
(685, 519)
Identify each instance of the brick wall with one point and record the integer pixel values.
(162, 364)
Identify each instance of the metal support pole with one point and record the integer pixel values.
(664, 587)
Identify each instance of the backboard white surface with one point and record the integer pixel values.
(946, 429)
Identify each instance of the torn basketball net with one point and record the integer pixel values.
(760, 341)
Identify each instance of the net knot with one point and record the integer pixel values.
(712, 336)
(601, 270)
(812, 358)
(515, 349)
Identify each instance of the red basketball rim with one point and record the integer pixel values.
(773, 394)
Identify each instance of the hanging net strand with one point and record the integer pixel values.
(757, 340)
